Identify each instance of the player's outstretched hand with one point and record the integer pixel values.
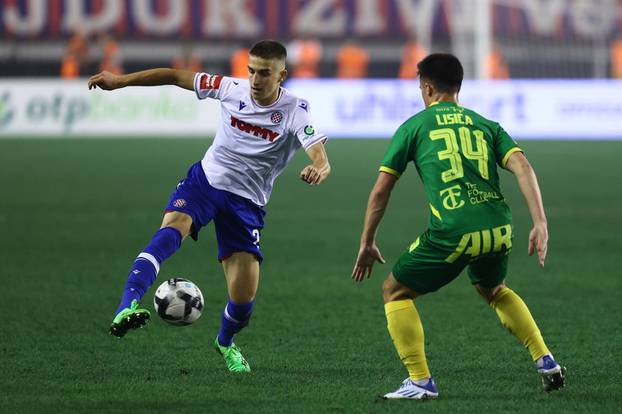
(106, 81)
(314, 175)
(368, 255)
(538, 239)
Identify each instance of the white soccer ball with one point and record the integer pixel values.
(178, 301)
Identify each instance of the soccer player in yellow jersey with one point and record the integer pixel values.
(456, 152)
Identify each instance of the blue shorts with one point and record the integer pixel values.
(238, 221)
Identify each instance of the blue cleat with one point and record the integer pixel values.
(553, 375)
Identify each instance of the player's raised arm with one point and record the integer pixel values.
(151, 77)
(319, 170)
(376, 206)
(528, 183)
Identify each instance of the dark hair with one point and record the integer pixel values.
(269, 49)
(444, 70)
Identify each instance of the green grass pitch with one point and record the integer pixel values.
(74, 214)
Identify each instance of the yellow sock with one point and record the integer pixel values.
(515, 316)
(407, 334)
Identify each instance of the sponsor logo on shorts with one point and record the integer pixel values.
(276, 117)
(179, 203)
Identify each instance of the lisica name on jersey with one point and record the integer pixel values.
(451, 119)
(258, 131)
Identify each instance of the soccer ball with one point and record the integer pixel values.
(178, 301)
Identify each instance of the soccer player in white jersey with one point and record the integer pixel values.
(262, 126)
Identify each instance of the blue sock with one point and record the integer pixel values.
(234, 318)
(164, 243)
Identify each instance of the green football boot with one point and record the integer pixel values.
(233, 357)
(129, 318)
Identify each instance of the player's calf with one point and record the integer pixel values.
(143, 273)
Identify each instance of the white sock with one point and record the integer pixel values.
(421, 382)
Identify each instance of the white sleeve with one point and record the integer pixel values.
(303, 128)
(211, 86)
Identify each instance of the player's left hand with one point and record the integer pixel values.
(313, 175)
(368, 255)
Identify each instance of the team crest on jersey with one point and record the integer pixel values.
(276, 117)
(179, 203)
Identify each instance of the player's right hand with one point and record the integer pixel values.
(314, 175)
(106, 81)
(538, 239)
(368, 255)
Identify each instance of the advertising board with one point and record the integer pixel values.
(577, 109)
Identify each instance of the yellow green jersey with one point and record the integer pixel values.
(456, 152)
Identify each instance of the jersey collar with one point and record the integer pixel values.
(273, 103)
(444, 103)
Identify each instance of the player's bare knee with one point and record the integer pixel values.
(386, 290)
(393, 290)
(489, 293)
(182, 222)
(241, 292)
(242, 275)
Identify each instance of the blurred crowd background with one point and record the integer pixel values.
(495, 39)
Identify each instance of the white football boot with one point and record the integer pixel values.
(412, 391)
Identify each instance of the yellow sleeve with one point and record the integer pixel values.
(507, 155)
(389, 170)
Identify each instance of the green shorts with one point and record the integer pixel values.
(432, 262)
